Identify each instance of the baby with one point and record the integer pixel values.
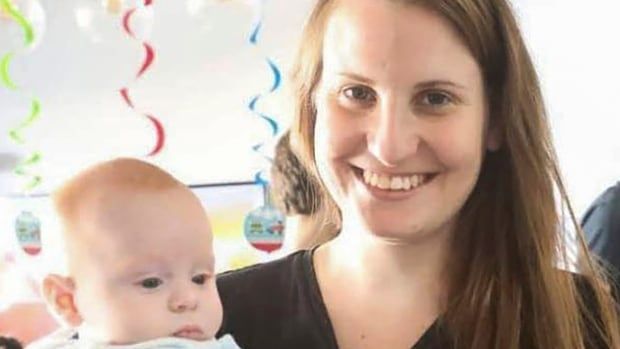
(140, 263)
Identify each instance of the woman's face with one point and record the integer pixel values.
(401, 126)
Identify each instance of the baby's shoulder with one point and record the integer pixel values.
(60, 339)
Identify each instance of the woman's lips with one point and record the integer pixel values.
(393, 194)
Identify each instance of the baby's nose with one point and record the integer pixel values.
(182, 300)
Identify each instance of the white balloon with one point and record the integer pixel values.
(196, 7)
(208, 12)
(99, 19)
(141, 23)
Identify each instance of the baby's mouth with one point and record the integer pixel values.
(191, 332)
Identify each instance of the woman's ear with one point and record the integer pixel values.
(494, 137)
(59, 293)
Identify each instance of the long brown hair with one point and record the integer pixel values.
(506, 289)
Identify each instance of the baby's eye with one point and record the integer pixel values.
(199, 279)
(151, 283)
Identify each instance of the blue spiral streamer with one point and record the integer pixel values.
(273, 125)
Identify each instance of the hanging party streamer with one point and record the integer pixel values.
(9, 9)
(149, 57)
(277, 78)
(27, 226)
(16, 134)
(4, 71)
(264, 226)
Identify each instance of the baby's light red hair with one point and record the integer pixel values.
(101, 181)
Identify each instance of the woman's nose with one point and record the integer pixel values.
(392, 134)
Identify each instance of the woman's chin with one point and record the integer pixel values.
(391, 232)
(395, 236)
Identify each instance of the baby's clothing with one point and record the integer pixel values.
(68, 339)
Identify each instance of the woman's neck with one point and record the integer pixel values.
(378, 267)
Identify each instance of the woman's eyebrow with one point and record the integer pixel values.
(420, 85)
(357, 77)
(438, 83)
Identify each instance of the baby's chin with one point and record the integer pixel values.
(193, 333)
(188, 335)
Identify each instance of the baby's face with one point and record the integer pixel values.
(147, 271)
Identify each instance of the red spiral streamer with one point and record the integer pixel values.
(149, 58)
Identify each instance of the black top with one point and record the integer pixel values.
(601, 225)
(278, 305)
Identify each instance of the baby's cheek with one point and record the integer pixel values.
(214, 311)
(132, 318)
(131, 328)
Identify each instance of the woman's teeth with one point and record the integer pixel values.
(388, 182)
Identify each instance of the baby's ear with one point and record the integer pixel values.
(59, 292)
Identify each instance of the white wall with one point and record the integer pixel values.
(576, 48)
(200, 84)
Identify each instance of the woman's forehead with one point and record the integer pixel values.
(385, 40)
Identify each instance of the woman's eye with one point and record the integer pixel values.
(151, 283)
(359, 94)
(199, 279)
(436, 99)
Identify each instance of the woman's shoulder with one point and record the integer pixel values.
(266, 288)
(273, 305)
(264, 276)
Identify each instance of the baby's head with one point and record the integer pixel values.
(139, 256)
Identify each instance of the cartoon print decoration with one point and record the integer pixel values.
(264, 228)
(28, 231)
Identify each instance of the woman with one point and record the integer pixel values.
(424, 122)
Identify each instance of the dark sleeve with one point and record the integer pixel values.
(593, 322)
(601, 226)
